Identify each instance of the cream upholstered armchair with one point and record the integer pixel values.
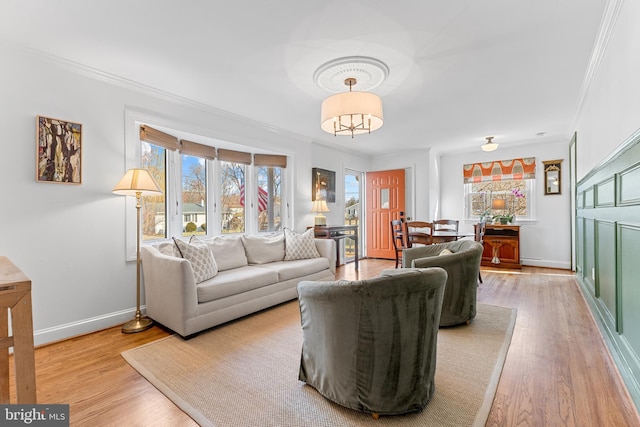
(461, 259)
(370, 345)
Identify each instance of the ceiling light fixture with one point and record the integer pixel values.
(351, 112)
(489, 145)
(356, 111)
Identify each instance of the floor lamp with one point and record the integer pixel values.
(137, 182)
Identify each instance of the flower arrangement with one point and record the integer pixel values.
(509, 215)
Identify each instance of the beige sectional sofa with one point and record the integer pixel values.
(250, 273)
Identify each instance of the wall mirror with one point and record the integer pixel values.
(552, 176)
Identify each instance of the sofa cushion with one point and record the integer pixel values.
(202, 262)
(300, 246)
(288, 270)
(263, 249)
(235, 281)
(168, 248)
(228, 251)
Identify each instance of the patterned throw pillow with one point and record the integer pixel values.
(299, 246)
(200, 257)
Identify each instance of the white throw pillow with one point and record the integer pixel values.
(299, 246)
(263, 249)
(168, 248)
(200, 257)
(227, 251)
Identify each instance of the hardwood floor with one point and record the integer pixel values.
(558, 371)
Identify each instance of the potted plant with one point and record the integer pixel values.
(503, 218)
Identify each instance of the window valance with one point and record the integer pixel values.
(272, 160)
(500, 170)
(199, 150)
(234, 156)
(154, 136)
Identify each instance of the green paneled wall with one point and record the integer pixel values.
(608, 254)
(606, 270)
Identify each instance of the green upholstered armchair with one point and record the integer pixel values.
(463, 268)
(370, 345)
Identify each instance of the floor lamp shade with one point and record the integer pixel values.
(137, 182)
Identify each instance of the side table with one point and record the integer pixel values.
(337, 233)
(15, 296)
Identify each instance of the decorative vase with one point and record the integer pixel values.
(504, 221)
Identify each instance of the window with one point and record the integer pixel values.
(232, 179)
(352, 212)
(194, 195)
(269, 171)
(516, 194)
(153, 211)
(204, 188)
(500, 188)
(269, 198)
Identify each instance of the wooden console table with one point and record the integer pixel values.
(15, 295)
(501, 246)
(337, 233)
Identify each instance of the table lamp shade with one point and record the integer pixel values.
(320, 206)
(498, 204)
(137, 181)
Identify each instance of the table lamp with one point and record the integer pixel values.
(137, 182)
(498, 204)
(319, 207)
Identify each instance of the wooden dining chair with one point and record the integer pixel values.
(399, 238)
(446, 224)
(479, 237)
(419, 232)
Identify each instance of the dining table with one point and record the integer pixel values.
(437, 236)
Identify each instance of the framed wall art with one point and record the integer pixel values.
(323, 185)
(552, 177)
(59, 151)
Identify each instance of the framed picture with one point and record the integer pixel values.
(323, 185)
(59, 151)
(552, 177)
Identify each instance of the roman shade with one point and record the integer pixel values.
(234, 156)
(154, 136)
(500, 170)
(270, 160)
(199, 150)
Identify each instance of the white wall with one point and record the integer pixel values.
(610, 111)
(417, 180)
(70, 239)
(544, 242)
(337, 161)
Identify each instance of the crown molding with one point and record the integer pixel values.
(607, 25)
(135, 86)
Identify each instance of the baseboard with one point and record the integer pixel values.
(627, 367)
(563, 265)
(82, 327)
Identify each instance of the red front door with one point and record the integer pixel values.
(385, 201)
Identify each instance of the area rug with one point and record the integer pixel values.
(245, 373)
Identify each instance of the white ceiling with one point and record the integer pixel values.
(460, 70)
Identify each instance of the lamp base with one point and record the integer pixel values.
(320, 220)
(138, 324)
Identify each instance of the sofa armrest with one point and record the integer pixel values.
(327, 249)
(170, 288)
(408, 255)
